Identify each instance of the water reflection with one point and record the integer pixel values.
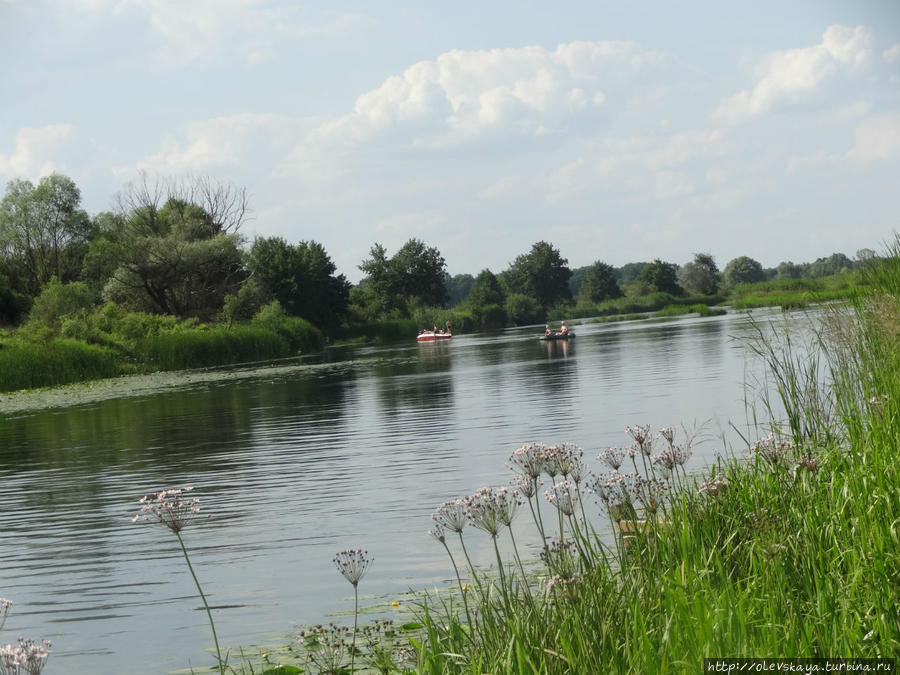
(354, 452)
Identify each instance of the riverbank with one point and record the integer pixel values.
(790, 554)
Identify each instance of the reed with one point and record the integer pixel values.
(212, 347)
(28, 365)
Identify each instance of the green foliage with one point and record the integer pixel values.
(629, 272)
(384, 332)
(43, 230)
(212, 347)
(300, 334)
(523, 309)
(57, 302)
(541, 274)
(243, 305)
(661, 277)
(486, 290)
(26, 365)
(458, 287)
(13, 305)
(599, 284)
(413, 276)
(701, 275)
(302, 278)
(742, 270)
(181, 258)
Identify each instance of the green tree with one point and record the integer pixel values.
(522, 309)
(458, 287)
(833, 264)
(600, 283)
(661, 276)
(486, 290)
(542, 274)
(43, 230)
(742, 270)
(789, 270)
(177, 256)
(302, 278)
(701, 275)
(412, 276)
(629, 272)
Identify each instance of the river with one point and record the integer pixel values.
(295, 463)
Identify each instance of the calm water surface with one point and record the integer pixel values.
(294, 467)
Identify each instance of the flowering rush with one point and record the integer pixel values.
(27, 656)
(173, 508)
(352, 564)
(490, 509)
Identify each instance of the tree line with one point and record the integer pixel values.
(175, 247)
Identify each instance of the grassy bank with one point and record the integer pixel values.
(790, 553)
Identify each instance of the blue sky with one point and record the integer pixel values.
(618, 131)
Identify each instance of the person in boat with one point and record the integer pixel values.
(447, 327)
(564, 329)
(547, 329)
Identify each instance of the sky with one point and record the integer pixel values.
(617, 131)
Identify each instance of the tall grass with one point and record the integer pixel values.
(27, 365)
(212, 347)
(791, 553)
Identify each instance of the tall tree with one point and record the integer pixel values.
(661, 276)
(302, 278)
(486, 290)
(600, 283)
(542, 274)
(742, 270)
(413, 275)
(43, 230)
(701, 275)
(177, 257)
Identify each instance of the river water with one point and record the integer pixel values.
(294, 464)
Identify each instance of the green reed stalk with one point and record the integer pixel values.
(212, 624)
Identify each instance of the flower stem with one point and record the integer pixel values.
(205, 604)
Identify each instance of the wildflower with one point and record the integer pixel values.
(668, 433)
(809, 463)
(561, 558)
(771, 449)
(489, 509)
(529, 459)
(712, 487)
(557, 581)
(451, 514)
(641, 436)
(172, 507)
(352, 564)
(564, 496)
(438, 533)
(560, 460)
(395, 603)
(525, 485)
(612, 457)
(28, 657)
(407, 658)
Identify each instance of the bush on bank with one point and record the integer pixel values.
(27, 365)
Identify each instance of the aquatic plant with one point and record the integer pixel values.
(353, 564)
(175, 509)
(28, 657)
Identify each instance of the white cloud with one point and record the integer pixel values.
(466, 94)
(788, 76)
(36, 151)
(222, 142)
(876, 139)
